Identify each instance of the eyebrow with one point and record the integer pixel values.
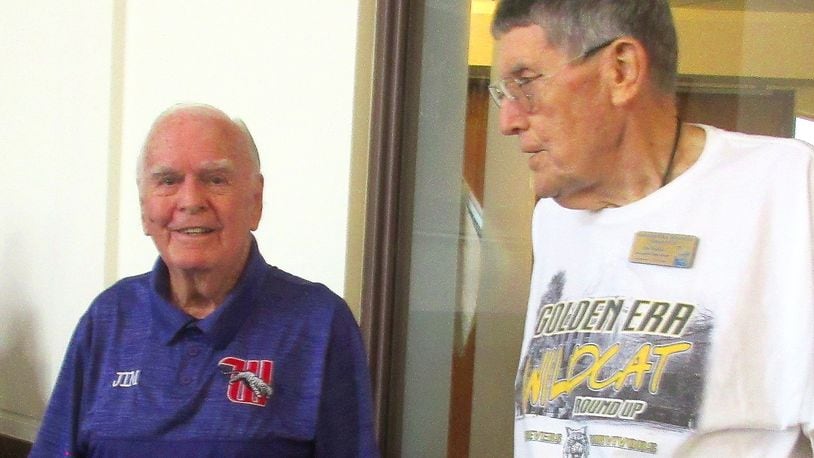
(162, 171)
(222, 165)
(518, 68)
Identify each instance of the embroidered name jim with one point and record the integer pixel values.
(607, 315)
(126, 379)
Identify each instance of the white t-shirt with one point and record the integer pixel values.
(635, 359)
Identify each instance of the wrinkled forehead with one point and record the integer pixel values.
(191, 125)
(521, 48)
(194, 135)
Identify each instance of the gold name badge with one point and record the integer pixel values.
(661, 249)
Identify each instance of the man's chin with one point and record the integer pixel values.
(188, 268)
(187, 262)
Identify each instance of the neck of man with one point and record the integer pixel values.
(198, 293)
(646, 155)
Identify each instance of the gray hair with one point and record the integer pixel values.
(574, 26)
(205, 110)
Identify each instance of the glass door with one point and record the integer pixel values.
(453, 265)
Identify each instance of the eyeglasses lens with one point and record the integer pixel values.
(510, 90)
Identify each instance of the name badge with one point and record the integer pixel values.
(661, 249)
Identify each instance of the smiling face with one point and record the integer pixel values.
(200, 192)
(567, 131)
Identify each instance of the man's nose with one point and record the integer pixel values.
(512, 119)
(192, 196)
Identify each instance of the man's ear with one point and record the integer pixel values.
(257, 201)
(143, 217)
(627, 71)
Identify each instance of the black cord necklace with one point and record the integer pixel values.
(669, 168)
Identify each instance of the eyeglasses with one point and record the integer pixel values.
(512, 88)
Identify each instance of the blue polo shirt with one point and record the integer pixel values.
(278, 369)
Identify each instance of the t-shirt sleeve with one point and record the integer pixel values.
(60, 426)
(345, 423)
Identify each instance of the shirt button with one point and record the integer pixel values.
(185, 380)
(194, 351)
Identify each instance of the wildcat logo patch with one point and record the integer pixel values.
(576, 444)
(249, 380)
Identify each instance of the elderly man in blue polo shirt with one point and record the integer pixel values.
(213, 352)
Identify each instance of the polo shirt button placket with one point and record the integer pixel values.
(192, 351)
(191, 348)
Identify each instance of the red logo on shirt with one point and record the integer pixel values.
(249, 380)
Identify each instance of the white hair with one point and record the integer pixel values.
(204, 110)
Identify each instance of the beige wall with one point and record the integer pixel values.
(751, 44)
(357, 197)
(55, 84)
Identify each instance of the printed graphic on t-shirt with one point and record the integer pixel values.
(613, 360)
(249, 380)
